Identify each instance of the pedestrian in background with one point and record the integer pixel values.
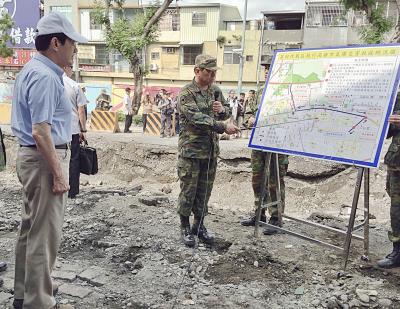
(176, 114)
(202, 111)
(128, 110)
(166, 110)
(78, 103)
(240, 113)
(41, 121)
(147, 103)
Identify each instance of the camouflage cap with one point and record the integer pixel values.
(204, 61)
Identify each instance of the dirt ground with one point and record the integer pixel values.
(121, 246)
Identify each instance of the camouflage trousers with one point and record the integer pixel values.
(258, 159)
(196, 180)
(393, 189)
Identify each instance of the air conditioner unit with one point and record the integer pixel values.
(153, 67)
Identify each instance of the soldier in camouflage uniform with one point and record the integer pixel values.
(202, 109)
(392, 160)
(258, 160)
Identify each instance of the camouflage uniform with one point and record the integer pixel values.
(198, 146)
(392, 160)
(258, 159)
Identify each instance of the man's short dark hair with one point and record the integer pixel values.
(252, 91)
(42, 42)
(242, 93)
(127, 89)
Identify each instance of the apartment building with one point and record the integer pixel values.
(188, 31)
(213, 28)
(185, 32)
(322, 23)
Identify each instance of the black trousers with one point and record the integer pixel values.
(144, 118)
(74, 168)
(128, 122)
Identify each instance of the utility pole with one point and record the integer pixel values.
(241, 63)
(260, 52)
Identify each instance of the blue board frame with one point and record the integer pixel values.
(382, 137)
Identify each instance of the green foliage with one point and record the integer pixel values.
(6, 24)
(378, 26)
(120, 116)
(221, 40)
(358, 5)
(374, 33)
(137, 120)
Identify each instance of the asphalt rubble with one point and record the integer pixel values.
(121, 245)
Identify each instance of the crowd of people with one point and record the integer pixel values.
(48, 119)
(164, 102)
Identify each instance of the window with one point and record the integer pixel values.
(199, 19)
(229, 56)
(169, 21)
(168, 50)
(190, 53)
(326, 16)
(93, 23)
(155, 56)
(63, 10)
(101, 56)
(249, 58)
(230, 26)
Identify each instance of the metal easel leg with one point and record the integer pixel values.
(352, 216)
(265, 180)
(365, 257)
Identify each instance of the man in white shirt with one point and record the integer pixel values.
(128, 110)
(78, 102)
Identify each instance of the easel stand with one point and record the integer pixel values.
(362, 173)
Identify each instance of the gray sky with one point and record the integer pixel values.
(254, 7)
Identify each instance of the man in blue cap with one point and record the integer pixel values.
(41, 121)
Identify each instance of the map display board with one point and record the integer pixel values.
(330, 104)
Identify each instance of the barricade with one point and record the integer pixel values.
(153, 124)
(104, 121)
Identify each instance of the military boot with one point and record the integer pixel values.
(270, 230)
(202, 233)
(251, 221)
(187, 236)
(393, 259)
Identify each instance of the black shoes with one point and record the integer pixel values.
(393, 259)
(270, 230)
(203, 235)
(3, 266)
(18, 303)
(187, 236)
(251, 221)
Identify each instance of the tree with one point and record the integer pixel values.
(378, 25)
(130, 37)
(6, 24)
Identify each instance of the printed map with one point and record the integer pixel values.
(331, 104)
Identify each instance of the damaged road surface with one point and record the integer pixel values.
(121, 246)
